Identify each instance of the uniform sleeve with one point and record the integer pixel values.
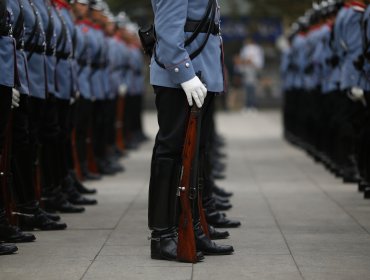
(170, 18)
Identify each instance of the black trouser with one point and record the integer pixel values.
(111, 110)
(133, 112)
(22, 156)
(99, 129)
(5, 109)
(44, 132)
(65, 125)
(173, 113)
(84, 116)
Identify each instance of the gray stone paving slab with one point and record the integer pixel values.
(248, 266)
(298, 222)
(116, 269)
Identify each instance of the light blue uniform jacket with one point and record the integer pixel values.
(22, 68)
(36, 61)
(136, 73)
(7, 57)
(83, 57)
(351, 43)
(170, 18)
(50, 58)
(96, 77)
(298, 60)
(365, 81)
(65, 77)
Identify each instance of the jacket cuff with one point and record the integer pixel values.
(181, 72)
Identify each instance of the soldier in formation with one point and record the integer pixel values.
(326, 83)
(65, 66)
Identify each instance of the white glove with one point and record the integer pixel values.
(122, 89)
(16, 98)
(194, 89)
(357, 94)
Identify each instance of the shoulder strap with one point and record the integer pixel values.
(35, 27)
(201, 24)
(50, 28)
(19, 24)
(3, 16)
(63, 36)
(213, 15)
(211, 9)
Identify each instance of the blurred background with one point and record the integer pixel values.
(262, 21)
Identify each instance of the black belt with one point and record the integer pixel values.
(50, 51)
(62, 55)
(34, 49)
(82, 62)
(98, 65)
(6, 30)
(191, 26)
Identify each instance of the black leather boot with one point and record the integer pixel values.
(221, 192)
(7, 249)
(163, 200)
(73, 196)
(54, 200)
(163, 246)
(79, 186)
(362, 186)
(31, 217)
(219, 220)
(217, 235)
(222, 206)
(216, 218)
(13, 234)
(367, 193)
(221, 198)
(51, 216)
(207, 246)
(87, 174)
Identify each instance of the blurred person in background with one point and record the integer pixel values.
(249, 64)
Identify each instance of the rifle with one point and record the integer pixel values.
(186, 249)
(76, 160)
(119, 123)
(202, 215)
(91, 160)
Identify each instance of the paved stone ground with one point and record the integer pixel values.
(298, 221)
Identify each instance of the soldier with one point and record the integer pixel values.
(173, 76)
(134, 134)
(67, 88)
(98, 87)
(30, 214)
(84, 104)
(7, 82)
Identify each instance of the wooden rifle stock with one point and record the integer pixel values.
(186, 248)
(76, 160)
(91, 161)
(119, 123)
(198, 181)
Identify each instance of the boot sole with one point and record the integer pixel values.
(218, 254)
(160, 258)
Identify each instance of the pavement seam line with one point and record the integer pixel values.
(260, 189)
(137, 195)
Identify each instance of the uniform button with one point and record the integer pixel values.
(177, 70)
(187, 65)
